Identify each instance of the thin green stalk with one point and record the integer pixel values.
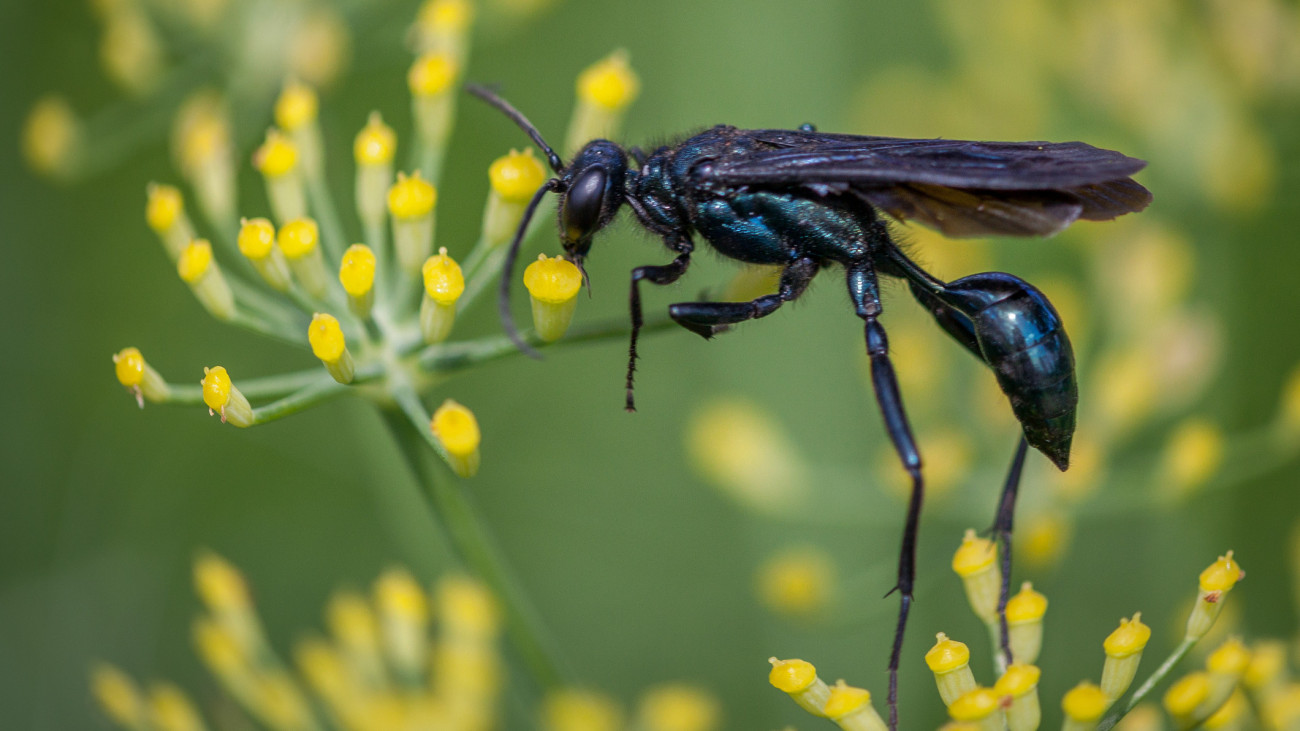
(268, 386)
(280, 331)
(445, 357)
(304, 398)
(321, 201)
(1145, 689)
(452, 510)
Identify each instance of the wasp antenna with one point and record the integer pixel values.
(491, 97)
(508, 272)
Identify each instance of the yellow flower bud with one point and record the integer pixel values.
(139, 378)
(299, 239)
(980, 706)
(357, 275)
(1018, 691)
(443, 285)
(1215, 583)
(165, 213)
(949, 660)
(198, 269)
(553, 286)
(570, 709)
(257, 243)
(117, 696)
(221, 396)
(411, 202)
(1025, 610)
(798, 679)
(1123, 653)
(678, 708)
(605, 89)
(976, 562)
(1083, 705)
(457, 430)
(850, 708)
(52, 136)
(327, 343)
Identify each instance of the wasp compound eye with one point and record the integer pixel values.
(583, 204)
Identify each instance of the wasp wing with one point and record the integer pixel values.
(959, 187)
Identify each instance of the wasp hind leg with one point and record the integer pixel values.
(707, 319)
(865, 293)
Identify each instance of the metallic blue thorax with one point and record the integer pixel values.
(758, 225)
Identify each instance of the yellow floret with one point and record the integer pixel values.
(1084, 702)
(1232, 658)
(218, 583)
(375, 143)
(117, 695)
(1017, 680)
(296, 106)
(326, 337)
(128, 363)
(974, 705)
(50, 135)
(610, 82)
(298, 238)
(552, 280)
(517, 175)
(791, 676)
(164, 206)
(443, 280)
(678, 708)
(466, 605)
(947, 655)
(216, 387)
(256, 236)
(432, 74)
(845, 699)
(1131, 637)
(570, 709)
(411, 197)
(457, 429)
(448, 15)
(172, 710)
(357, 273)
(1187, 693)
(277, 156)
(195, 260)
(1026, 605)
(974, 555)
(1222, 575)
(397, 592)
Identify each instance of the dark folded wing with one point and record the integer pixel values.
(813, 157)
(958, 187)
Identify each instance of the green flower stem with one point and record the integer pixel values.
(265, 306)
(482, 267)
(454, 513)
(304, 398)
(269, 386)
(1142, 692)
(258, 324)
(447, 357)
(334, 239)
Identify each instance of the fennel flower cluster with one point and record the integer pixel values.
(1012, 701)
(377, 307)
(401, 657)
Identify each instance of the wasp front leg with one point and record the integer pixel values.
(665, 274)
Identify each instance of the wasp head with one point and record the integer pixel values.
(591, 192)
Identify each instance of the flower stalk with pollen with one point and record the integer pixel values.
(949, 660)
(1018, 691)
(199, 270)
(432, 81)
(514, 178)
(328, 344)
(1025, 611)
(553, 286)
(256, 241)
(850, 708)
(221, 396)
(299, 239)
(981, 707)
(456, 429)
(139, 377)
(605, 89)
(1083, 705)
(277, 160)
(165, 213)
(357, 275)
(976, 562)
(1215, 583)
(1123, 654)
(296, 112)
(798, 679)
(444, 283)
(373, 150)
(411, 201)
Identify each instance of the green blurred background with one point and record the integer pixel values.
(642, 571)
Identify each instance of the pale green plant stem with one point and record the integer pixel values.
(304, 398)
(271, 386)
(447, 357)
(321, 200)
(280, 331)
(452, 510)
(1145, 689)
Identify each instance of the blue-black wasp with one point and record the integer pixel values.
(806, 200)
